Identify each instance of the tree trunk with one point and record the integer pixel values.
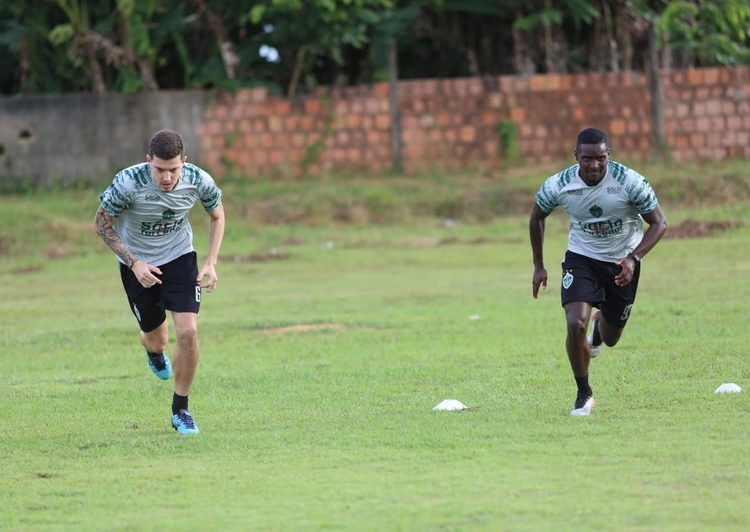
(656, 106)
(549, 52)
(614, 59)
(297, 72)
(226, 48)
(522, 63)
(97, 78)
(398, 166)
(623, 31)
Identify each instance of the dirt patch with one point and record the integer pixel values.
(57, 252)
(25, 269)
(691, 228)
(305, 327)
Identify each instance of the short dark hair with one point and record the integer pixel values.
(591, 136)
(166, 144)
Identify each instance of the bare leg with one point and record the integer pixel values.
(185, 357)
(156, 341)
(577, 314)
(610, 335)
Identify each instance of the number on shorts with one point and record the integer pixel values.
(197, 294)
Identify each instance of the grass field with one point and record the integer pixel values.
(320, 366)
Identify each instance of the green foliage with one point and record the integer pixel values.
(716, 32)
(507, 132)
(313, 151)
(60, 45)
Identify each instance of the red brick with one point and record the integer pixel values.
(382, 121)
(518, 114)
(381, 90)
(617, 127)
(734, 123)
(718, 123)
(275, 124)
(250, 141)
(259, 94)
(697, 140)
(711, 76)
(282, 107)
(728, 108)
(680, 141)
(495, 100)
(313, 106)
(538, 82)
(213, 127)
(242, 96)
(306, 123)
(267, 140)
(695, 76)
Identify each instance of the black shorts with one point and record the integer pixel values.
(593, 281)
(179, 291)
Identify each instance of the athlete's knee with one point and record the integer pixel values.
(187, 333)
(576, 326)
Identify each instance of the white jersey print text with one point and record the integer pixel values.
(605, 219)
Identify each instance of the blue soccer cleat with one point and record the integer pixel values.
(183, 423)
(161, 367)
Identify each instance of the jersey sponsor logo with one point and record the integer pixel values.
(567, 279)
(614, 190)
(596, 211)
(578, 192)
(151, 197)
(188, 195)
(601, 229)
(161, 228)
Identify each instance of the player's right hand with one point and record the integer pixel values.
(540, 279)
(146, 273)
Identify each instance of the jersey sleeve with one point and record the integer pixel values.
(547, 197)
(210, 194)
(640, 193)
(120, 195)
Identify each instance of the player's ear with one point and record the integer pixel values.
(148, 158)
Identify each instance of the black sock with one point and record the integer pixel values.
(584, 390)
(179, 402)
(596, 339)
(154, 355)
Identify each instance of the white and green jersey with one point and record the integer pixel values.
(605, 219)
(154, 223)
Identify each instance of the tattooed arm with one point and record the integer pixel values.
(144, 272)
(105, 223)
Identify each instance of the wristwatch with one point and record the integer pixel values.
(635, 257)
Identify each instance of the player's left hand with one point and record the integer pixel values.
(627, 269)
(209, 272)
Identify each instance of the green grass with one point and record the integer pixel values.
(333, 429)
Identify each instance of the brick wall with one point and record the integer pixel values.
(454, 123)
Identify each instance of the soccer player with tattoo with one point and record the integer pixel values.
(607, 204)
(143, 218)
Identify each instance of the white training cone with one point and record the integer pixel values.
(450, 404)
(728, 387)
